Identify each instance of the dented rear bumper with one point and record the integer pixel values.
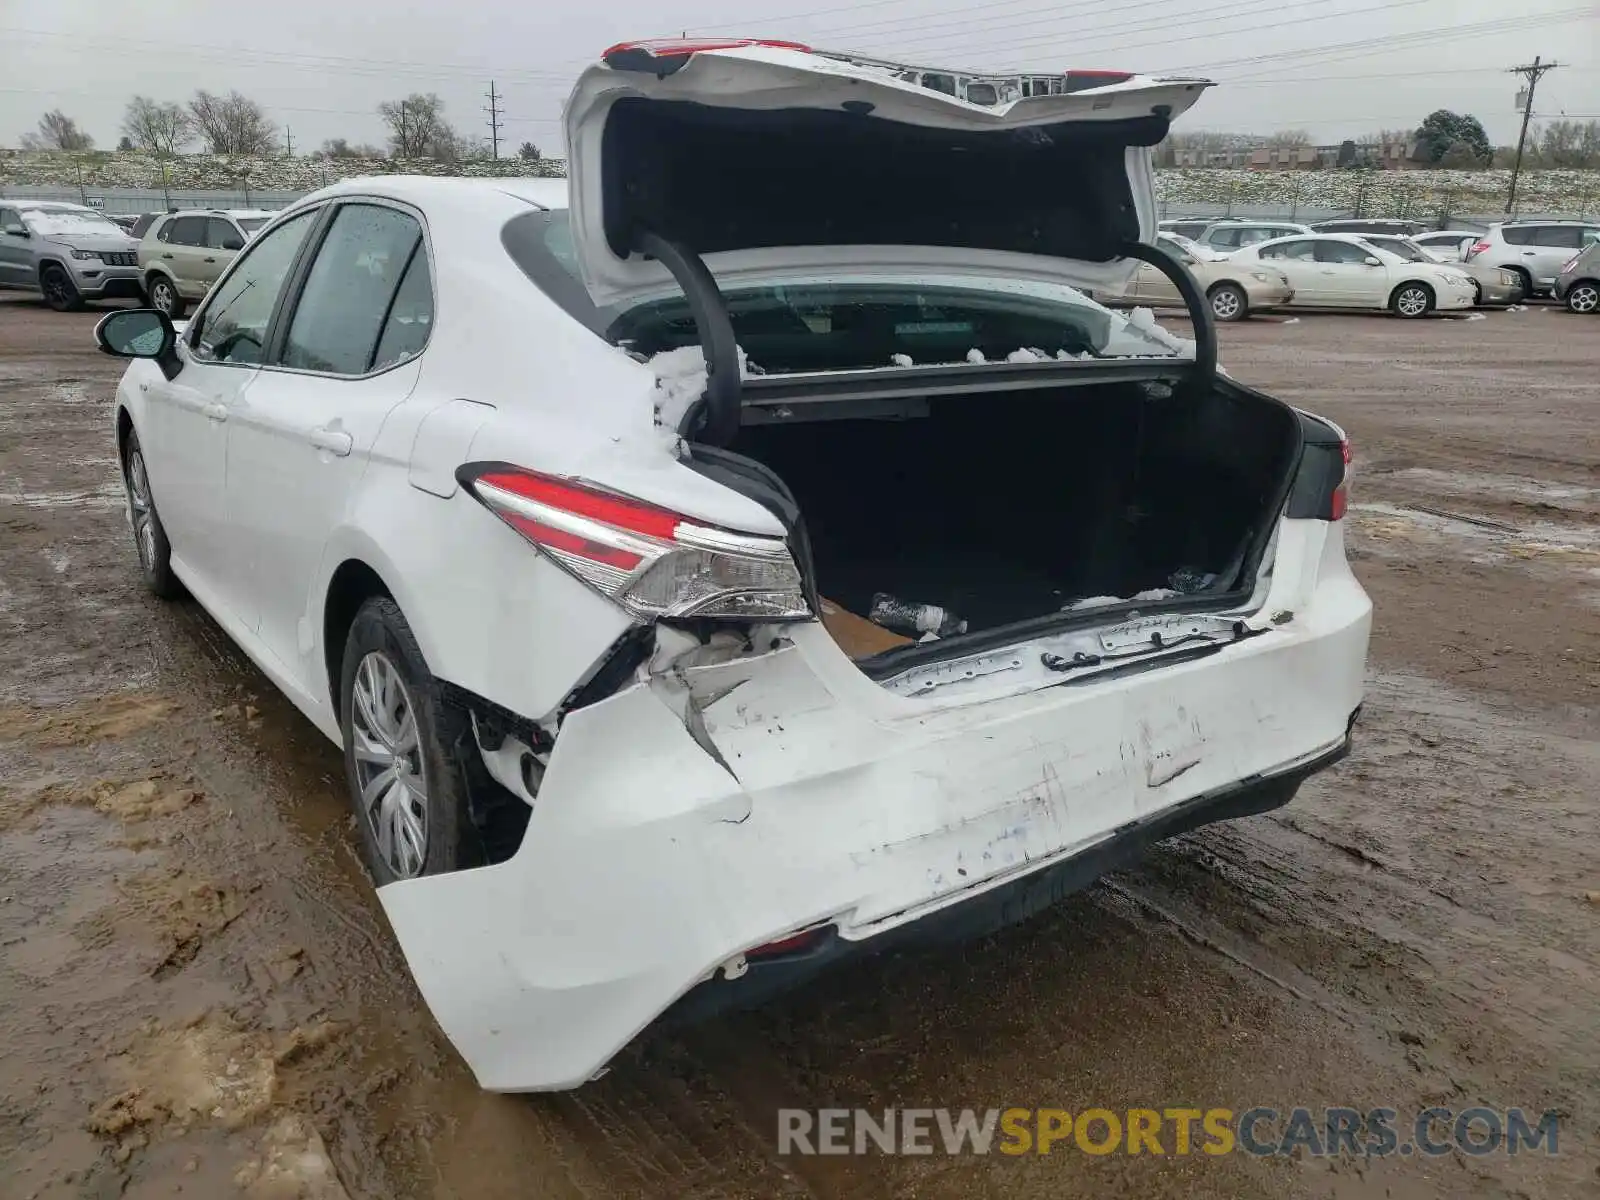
(688, 819)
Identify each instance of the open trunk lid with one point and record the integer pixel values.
(768, 156)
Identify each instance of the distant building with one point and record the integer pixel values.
(1386, 156)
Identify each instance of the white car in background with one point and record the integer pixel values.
(1448, 245)
(570, 526)
(1344, 270)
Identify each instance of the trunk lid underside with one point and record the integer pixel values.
(774, 157)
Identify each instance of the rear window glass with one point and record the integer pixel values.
(844, 322)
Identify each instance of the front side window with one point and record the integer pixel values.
(350, 289)
(11, 220)
(1343, 252)
(1402, 248)
(232, 326)
(221, 235)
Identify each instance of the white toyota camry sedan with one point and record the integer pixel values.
(759, 554)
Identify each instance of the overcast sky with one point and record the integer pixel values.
(1335, 68)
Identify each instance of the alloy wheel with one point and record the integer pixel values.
(389, 766)
(161, 296)
(1585, 298)
(57, 291)
(1225, 304)
(143, 511)
(1412, 302)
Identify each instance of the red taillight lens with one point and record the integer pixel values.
(1339, 502)
(795, 943)
(665, 55)
(652, 561)
(1477, 248)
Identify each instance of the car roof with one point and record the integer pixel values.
(48, 206)
(432, 190)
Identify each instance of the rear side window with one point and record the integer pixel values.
(232, 326)
(1563, 236)
(1304, 251)
(1518, 235)
(351, 288)
(1223, 237)
(186, 231)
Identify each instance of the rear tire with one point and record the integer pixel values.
(1584, 297)
(1228, 302)
(406, 787)
(149, 535)
(163, 295)
(1411, 300)
(60, 293)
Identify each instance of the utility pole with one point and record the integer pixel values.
(288, 142)
(494, 112)
(1532, 72)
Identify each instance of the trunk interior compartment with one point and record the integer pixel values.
(1015, 506)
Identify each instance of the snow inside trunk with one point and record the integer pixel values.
(1004, 507)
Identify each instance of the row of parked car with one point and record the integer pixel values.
(1249, 266)
(73, 254)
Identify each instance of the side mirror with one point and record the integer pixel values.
(21, 231)
(1373, 262)
(139, 333)
(232, 244)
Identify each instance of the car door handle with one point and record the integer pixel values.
(334, 441)
(168, 254)
(210, 259)
(215, 412)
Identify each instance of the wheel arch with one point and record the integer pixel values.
(352, 583)
(1432, 291)
(45, 263)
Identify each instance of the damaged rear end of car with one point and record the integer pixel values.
(1000, 588)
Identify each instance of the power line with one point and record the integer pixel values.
(494, 120)
(1532, 72)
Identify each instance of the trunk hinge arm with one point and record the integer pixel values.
(1205, 329)
(714, 418)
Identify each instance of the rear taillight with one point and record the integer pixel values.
(1339, 501)
(663, 56)
(793, 946)
(1478, 248)
(652, 561)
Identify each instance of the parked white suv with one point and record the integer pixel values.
(1535, 250)
(731, 573)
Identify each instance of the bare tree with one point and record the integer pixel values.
(57, 131)
(418, 129)
(233, 124)
(1289, 139)
(157, 127)
(341, 148)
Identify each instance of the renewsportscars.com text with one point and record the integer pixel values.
(1263, 1132)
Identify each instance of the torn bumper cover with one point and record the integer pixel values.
(687, 820)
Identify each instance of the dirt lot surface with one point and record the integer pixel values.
(199, 996)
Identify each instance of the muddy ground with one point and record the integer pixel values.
(198, 994)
